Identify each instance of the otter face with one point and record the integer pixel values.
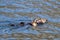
(43, 20)
(38, 21)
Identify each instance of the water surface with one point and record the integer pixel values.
(15, 11)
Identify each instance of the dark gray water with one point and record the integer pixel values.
(15, 11)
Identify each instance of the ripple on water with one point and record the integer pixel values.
(13, 11)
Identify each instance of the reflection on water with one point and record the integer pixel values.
(15, 11)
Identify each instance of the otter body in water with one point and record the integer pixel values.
(37, 21)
